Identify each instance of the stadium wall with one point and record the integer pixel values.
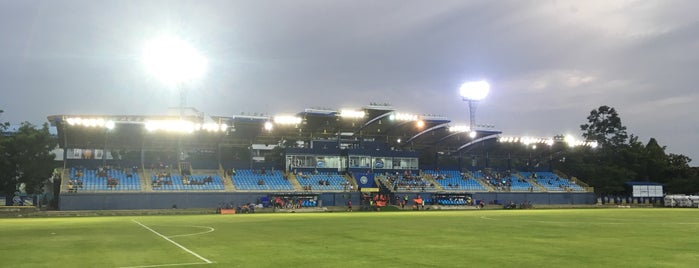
(518, 198)
(126, 201)
(538, 198)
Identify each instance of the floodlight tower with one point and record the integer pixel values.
(175, 63)
(472, 92)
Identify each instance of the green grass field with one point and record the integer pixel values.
(487, 238)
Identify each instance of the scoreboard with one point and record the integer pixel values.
(647, 191)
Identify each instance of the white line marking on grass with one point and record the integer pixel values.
(165, 265)
(559, 222)
(211, 229)
(173, 242)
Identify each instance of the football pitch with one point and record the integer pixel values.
(478, 238)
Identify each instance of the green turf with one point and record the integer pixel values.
(495, 238)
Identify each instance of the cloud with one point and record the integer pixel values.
(549, 62)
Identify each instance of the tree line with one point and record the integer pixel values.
(622, 157)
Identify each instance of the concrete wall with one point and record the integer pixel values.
(534, 198)
(118, 201)
(539, 198)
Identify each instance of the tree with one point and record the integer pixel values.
(624, 158)
(682, 179)
(657, 162)
(26, 158)
(604, 126)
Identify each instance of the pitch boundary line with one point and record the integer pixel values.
(165, 265)
(174, 243)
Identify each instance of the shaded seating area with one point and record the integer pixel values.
(453, 180)
(505, 181)
(247, 179)
(553, 182)
(323, 182)
(407, 181)
(103, 179)
(176, 182)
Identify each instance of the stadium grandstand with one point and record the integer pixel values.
(312, 158)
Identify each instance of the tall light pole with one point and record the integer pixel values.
(472, 92)
(175, 63)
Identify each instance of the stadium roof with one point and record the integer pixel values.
(374, 122)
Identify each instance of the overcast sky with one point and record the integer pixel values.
(549, 62)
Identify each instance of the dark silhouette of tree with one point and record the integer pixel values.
(25, 158)
(604, 126)
(622, 158)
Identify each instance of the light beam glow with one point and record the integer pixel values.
(476, 91)
(172, 60)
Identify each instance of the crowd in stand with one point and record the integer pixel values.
(75, 184)
(503, 181)
(554, 181)
(408, 181)
(162, 178)
(76, 181)
(165, 178)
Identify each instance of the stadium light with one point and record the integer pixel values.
(287, 120)
(91, 122)
(268, 126)
(420, 124)
(459, 129)
(347, 113)
(182, 126)
(403, 117)
(570, 140)
(173, 61)
(110, 125)
(534, 141)
(472, 92)
(473, 134)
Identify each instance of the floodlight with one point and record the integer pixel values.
(534, 146)
(109, 124)
(420, 124)
(570, 140)
(403, 117)
(172, 60)
(472, 134)
(268, 126)
(459, 129)
(352, 113)
(287, 120)
(472, 92)
(476, 91)
(181, 126)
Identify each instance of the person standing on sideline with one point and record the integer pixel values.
(349, 205)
